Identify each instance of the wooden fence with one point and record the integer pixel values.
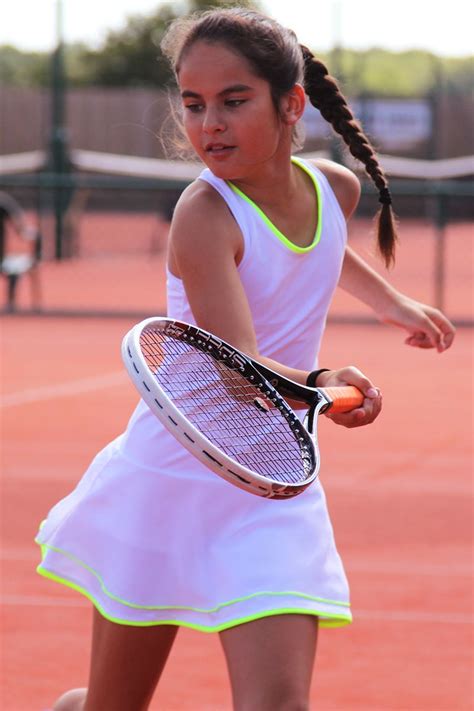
(129, 121)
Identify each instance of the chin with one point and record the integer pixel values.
(225, 172)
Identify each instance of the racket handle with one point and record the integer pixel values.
(343, 398)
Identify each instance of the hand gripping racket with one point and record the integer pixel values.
(229, 410)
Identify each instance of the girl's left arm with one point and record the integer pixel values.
(426, 326)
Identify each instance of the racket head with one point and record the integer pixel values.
(219, 407)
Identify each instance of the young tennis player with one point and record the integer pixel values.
(258, 245)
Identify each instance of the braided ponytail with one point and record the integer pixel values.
(275, 55)
(323, 92)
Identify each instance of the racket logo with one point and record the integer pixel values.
(174, 329)
(235, 360)
(221, 350)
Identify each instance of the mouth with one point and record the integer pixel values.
(215, 149)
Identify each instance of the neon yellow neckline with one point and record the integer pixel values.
(288, 243)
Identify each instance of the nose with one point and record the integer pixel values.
(213, 121)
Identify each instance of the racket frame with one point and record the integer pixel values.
(194, 440)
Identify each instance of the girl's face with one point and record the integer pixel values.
(229, 115)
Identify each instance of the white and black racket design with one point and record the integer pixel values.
(229, 410)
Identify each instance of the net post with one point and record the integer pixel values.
(440, 219)
(59, 162)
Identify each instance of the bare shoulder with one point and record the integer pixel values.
(202, 225)
(344, 182)
(199, 203)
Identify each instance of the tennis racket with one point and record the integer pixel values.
(229, 410)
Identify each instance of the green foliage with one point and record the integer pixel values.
(408, 74)
(458, 74)
(23, 68)
(131, 57)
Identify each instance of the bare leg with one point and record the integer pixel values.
(126, 664)
(270, 662)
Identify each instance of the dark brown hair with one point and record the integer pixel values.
(275, 55)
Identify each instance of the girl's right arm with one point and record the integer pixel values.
(206, 246)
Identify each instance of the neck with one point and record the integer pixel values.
(272, 182)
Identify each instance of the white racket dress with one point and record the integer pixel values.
(151, 536)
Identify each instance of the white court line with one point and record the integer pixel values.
(75, 387)
(451, 618)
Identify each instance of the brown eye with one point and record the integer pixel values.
(235, 102)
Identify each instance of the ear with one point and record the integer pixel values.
(292, 105)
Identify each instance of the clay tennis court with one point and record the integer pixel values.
(399, 491)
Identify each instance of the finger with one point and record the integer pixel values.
(419, 340)
(353, 376)
(359, 416)
(439, 328)
(424, 341)
(355, 418)
(448, 339)
(446, 328)
(430, 333)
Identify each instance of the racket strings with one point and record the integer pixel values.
(226, 408)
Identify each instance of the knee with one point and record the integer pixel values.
(72, 700)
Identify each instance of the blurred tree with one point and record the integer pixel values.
(128, 57)
(19, 68)
(408, 74)
(458, 74)
(77, 69)
(131, 57)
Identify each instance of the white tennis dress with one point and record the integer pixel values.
(151, 536)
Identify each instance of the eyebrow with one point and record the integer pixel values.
(187, 94)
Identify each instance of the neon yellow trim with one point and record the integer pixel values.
(273, 228)
(44, 547)
(325, 620)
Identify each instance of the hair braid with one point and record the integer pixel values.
(324, 94)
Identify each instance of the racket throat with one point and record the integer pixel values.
(316, 409)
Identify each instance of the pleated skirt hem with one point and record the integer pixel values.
(215, 618)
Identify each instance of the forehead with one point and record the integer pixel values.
(208, 66)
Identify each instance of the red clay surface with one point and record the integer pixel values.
(120, 266)
(399, 492)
